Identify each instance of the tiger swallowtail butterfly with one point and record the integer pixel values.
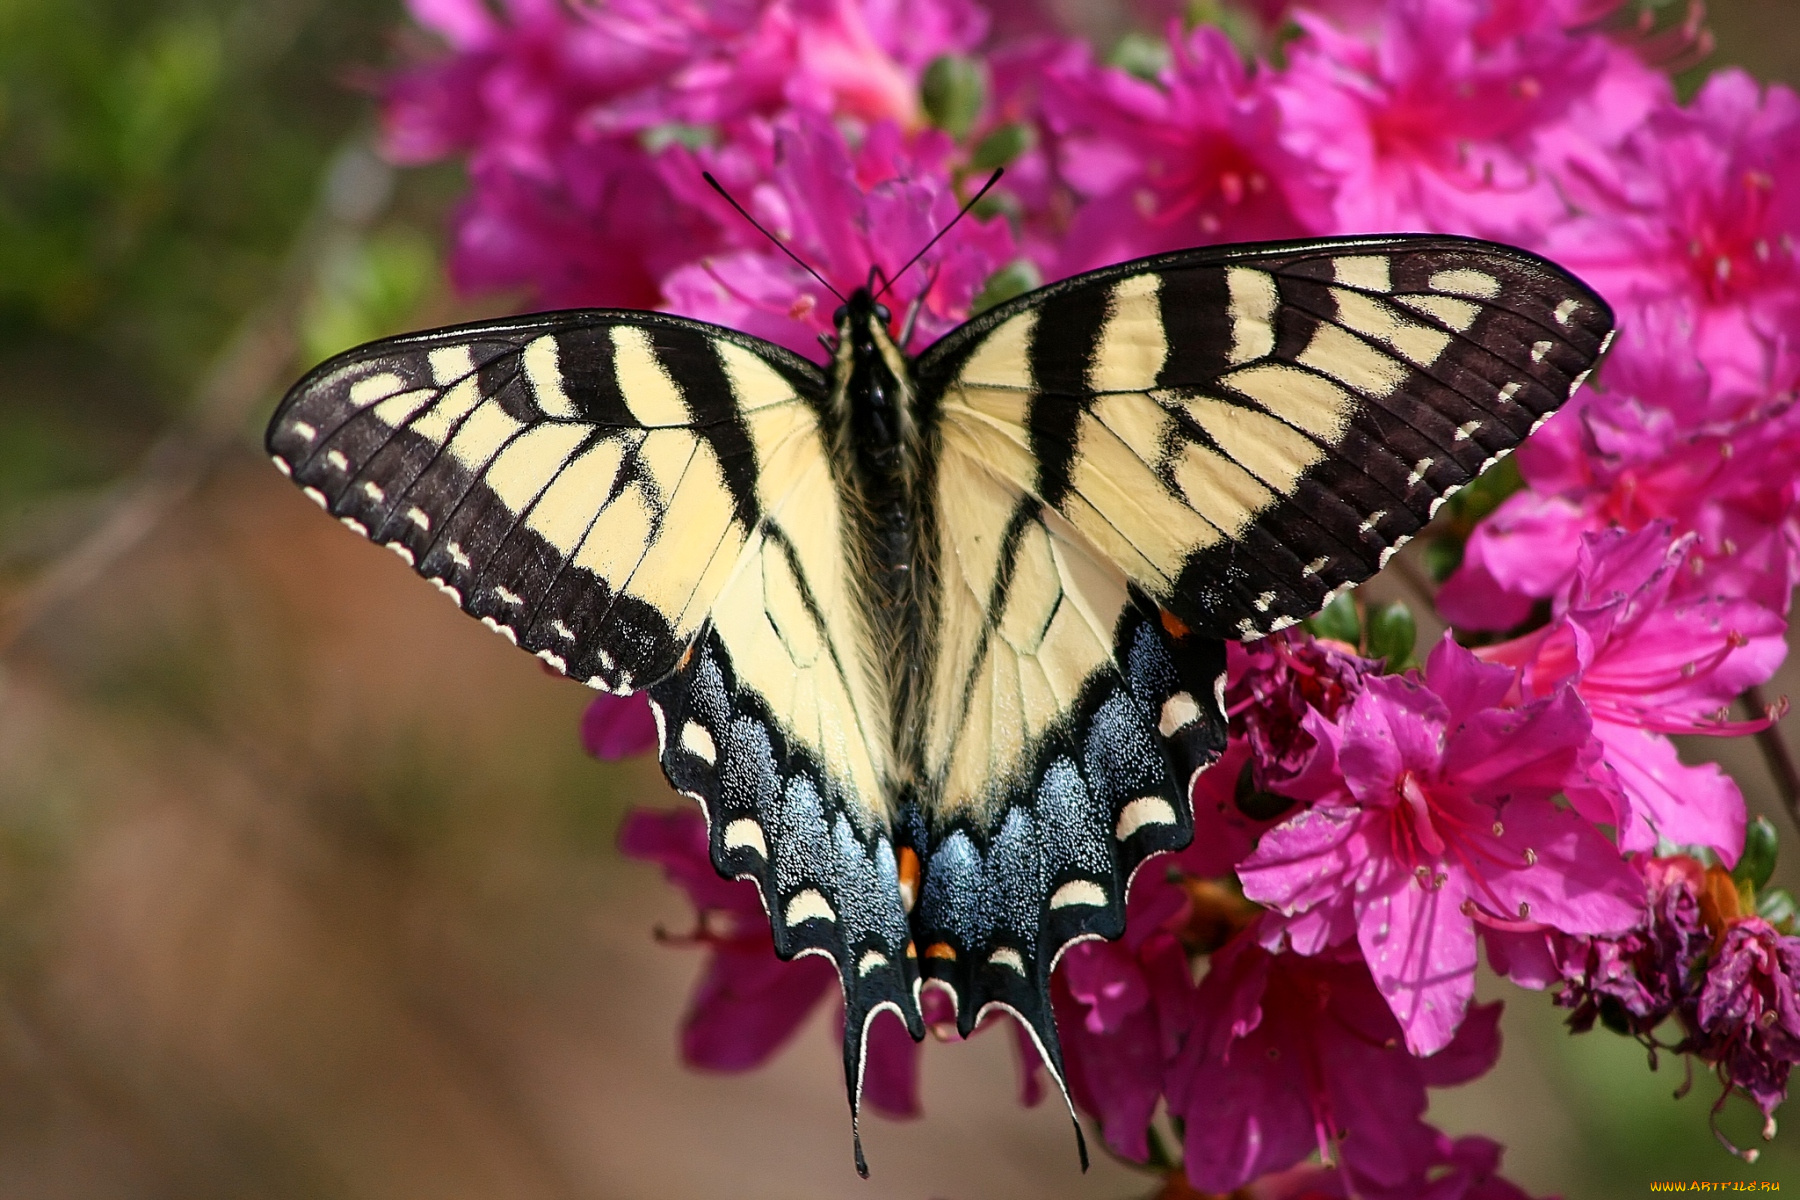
(938, 642)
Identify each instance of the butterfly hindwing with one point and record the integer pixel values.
(1066, 719)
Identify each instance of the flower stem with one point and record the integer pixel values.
(1776, 754)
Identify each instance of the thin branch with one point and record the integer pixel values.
(1775, 753)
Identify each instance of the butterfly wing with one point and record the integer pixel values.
(1137, 463)
(646, 502)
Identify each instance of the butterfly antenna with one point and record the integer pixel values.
(915, 308)
(973, 200)
(781, 245)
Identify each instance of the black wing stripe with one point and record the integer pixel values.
(524, 564)
(1322, 527)
(1415, 429)
(1435, 422)
(1274, 562)
(454, 448)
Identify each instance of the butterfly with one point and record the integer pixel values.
(938, 642)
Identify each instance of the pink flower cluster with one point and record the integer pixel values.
(1288, 988)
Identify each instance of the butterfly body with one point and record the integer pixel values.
(873, 403)
(938, 642)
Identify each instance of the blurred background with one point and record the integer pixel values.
(306, 887)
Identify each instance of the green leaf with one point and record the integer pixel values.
(658, 138)
(1338, 621)
(1141, 55)
(1230, 20)
(953, 90)
(1758, 861)
(1392, 635)
(1485, 494)
(1014, 279)
(1442, 556)
(367, 291)
(1777, 907)
(1001, 147)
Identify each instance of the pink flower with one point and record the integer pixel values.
(1465, 1169)
(1747, 1021)
(844, 212)
(1703, 204)
(1274, 684)
(576, 219)
(1663, 441)
(1190, 159)
(1631, 982)
(1123, 1008)
(1446, 119)
(1444, 821)
(1291, 1054)
(748, 1002)
(1648, 663)
(848, 58)
(563, 111)
(618, 726)
(1117, 1030)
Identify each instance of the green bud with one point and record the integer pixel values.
(1777, 907)
(1392, 635)
(999, 148)
(1014, 279)
(1758, 861)
(1338, 621)
(1442, 556)
(658, 138)
(953, 91)
(1486, 494)
(1140, 54)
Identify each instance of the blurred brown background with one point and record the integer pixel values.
(306, 889)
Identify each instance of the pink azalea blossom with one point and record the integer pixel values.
(1702, 204)
(1663, 442)
(1274, 683)
(1189, 159)
(618, 726)
(748, 1003)
(1289, 1055)
(1444, 822)
(1649, 664)
(844, 211)
(558, 109)
(1124, 1008)
(1121, 1008)
(853, 58)
(573, 218)
(1633, 981)
(1465, 1169)
(1443, 118)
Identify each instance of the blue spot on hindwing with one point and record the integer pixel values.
(953, 889)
